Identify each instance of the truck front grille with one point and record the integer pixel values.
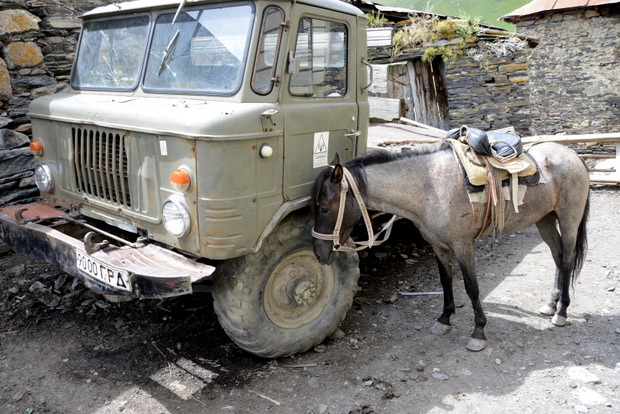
(100, 165)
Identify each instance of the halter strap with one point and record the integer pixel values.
(349, 181)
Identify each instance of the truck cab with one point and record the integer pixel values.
(187, 146)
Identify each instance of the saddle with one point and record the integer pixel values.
(502, 146)
(492, 161)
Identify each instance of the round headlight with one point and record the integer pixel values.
(43, 178)
(176, 217)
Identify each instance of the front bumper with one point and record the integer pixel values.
(148, 271)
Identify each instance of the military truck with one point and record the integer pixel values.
(185, 151)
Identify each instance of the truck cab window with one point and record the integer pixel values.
(110, 53)
(267, 54)
(204, 52)
(320, 59)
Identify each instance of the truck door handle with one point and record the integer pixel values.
(353, 134)
(370, 72)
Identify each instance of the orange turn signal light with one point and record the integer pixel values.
(180, 179)
(36, 148)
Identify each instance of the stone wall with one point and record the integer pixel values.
(489, 94)
(37, 45)
(574, 73)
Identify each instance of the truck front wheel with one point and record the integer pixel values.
(280, 301)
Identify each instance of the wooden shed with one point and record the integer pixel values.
(464, 73)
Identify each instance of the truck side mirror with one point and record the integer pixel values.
(293, 63)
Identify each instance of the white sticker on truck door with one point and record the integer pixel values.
(321, 142)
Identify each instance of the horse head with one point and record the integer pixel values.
(327, 207)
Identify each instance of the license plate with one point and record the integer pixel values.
(116, 278)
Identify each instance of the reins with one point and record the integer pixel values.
(349, 182)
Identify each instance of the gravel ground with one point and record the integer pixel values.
(65, 350)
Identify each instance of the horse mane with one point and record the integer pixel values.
(357, 165)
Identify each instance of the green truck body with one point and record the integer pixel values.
(190, 134)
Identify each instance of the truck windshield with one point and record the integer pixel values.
(204, 52)
(110, 53)
(208, 54)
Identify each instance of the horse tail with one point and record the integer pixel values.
(581, 245)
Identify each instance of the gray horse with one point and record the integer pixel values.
(426, 186)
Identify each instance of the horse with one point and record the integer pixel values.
(426, 186)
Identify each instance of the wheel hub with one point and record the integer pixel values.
(304, 292)
(298, 290)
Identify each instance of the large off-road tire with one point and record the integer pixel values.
(281, 301)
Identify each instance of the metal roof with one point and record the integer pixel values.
(145, 5)
(542, 6)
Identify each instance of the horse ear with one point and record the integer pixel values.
(337, 175)
(336, 160)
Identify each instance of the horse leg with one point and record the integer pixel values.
(549, 233)
(563, 252)
(572, 257)
(444, 258)
(559, 318)
(464, 253)
(550, 307)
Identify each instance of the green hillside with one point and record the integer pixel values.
(488, 11)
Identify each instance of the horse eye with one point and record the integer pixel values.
(324, 210)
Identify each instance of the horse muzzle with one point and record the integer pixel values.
(324, 252)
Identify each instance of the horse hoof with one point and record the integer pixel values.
(440, 329)
(547, 310)
(476, 345)
(558, 320)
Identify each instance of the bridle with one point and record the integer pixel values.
(349, 181)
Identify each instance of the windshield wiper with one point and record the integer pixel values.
(171, 42)
(167, 51)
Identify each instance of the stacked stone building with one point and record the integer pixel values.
(574, 72)
(490, 94)
(37, 45)
(566, 81)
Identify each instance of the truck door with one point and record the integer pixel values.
(318, 96)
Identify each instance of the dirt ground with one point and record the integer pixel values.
(66, 350)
